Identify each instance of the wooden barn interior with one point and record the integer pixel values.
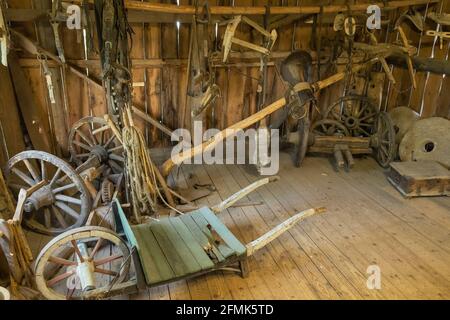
(353, 107)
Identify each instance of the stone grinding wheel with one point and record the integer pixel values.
(428, 139)
(403, 118)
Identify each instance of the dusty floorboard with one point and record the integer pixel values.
(326, 257)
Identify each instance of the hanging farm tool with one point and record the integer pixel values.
(56, 17)
(113, 37)
(202, 90)
(417, 21)
(269, 39)
(230, 39)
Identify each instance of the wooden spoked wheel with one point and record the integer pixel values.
(329, 128)
(80, 261)
(383, 140)
(92, 136)
(63, 203)
(356, 113)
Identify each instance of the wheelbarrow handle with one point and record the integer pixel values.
(242, 193)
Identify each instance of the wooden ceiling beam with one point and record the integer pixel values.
(260, 10)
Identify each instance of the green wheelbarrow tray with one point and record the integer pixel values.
(189, 245)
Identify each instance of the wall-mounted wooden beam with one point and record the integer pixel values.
(260, 10)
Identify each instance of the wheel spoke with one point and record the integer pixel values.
(67, 210)
(43, 170)
(47, 218)
(107, 259)
(82, 155)
(82, 145)
(364, 132)
(62, 261)
(85, 138)
(91, 133)
(101, 129)
(64, 188)
(107, 272)
(68, 199)
(116, 157)
(59, 217)
(361, 111)
(24, 177)
(33, 172)
(119, 148)
(77, 250)
(96, 248)
(370, 115)
(56, 176)
(110, 140)
(60, 278)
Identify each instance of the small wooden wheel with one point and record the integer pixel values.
(384, 140)
(330, 128)
(356, 113)
(63, 203)
(81, 260)
(92, 136)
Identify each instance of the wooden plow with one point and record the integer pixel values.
(255, 118)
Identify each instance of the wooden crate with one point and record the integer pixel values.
(420, 179)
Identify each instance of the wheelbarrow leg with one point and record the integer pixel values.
(245, 270)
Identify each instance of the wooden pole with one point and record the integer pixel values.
(273, 234)
(260, 10)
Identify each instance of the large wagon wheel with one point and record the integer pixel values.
(383, 140)
(81, 260)
(63, 203)
(357, 113)
(93, 137)
(330, 128)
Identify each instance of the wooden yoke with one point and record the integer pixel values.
(229, 38)
(231, 131)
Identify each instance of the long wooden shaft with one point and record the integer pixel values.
(261, 10)
(231, 131)
(273, 234)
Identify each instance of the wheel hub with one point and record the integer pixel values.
(41, 198)
(100, 152)
(351, 122)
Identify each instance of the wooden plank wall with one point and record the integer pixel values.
(163, 95)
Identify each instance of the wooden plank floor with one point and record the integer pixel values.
(327, 256)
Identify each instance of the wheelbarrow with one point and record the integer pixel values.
(96, 263)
